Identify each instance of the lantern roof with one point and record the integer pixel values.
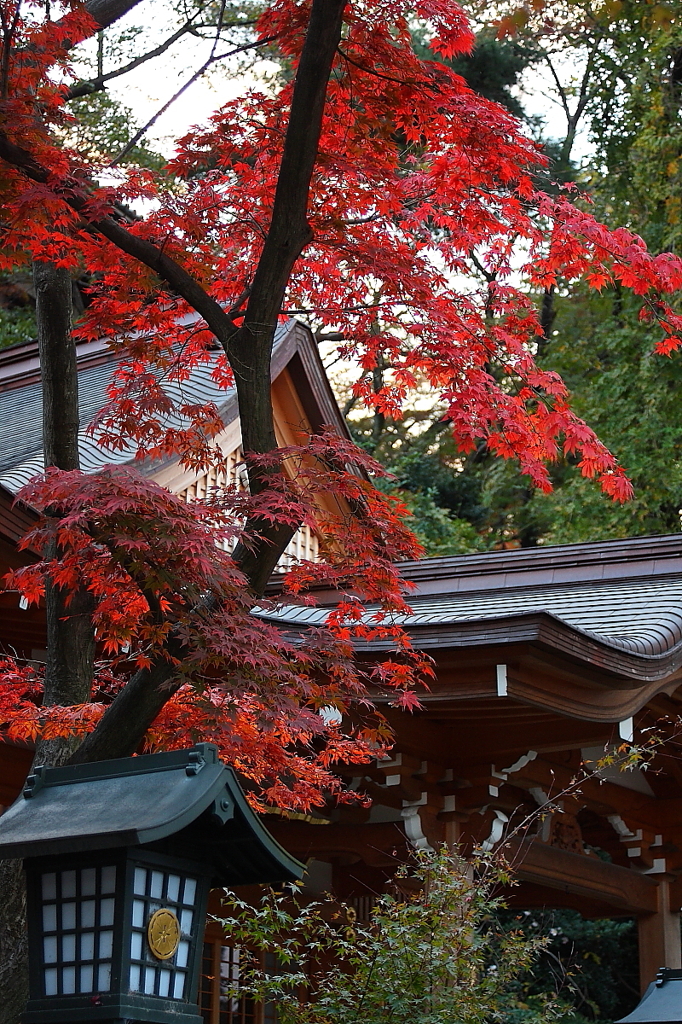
(186, 802)
(662, 1001)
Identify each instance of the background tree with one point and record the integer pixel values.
(591, 964)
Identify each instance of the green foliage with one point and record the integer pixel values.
(102, 127)
(17, 326)
(445, 502)
(433, 952)
(634, 121)
(593, 965)
(439, 532)
(631, 397)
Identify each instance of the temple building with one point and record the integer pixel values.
(547, 660)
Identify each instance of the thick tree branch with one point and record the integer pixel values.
(106, 12)
(125, 722)
(141, 249)
(250, 349)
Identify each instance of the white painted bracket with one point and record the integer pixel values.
(496, 832)
(626, 730)
(521, 763)
(413, 823)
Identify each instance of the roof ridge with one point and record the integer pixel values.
(606, 552)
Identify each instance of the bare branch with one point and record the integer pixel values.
(197, 74)
(98, 83)
(559, 87)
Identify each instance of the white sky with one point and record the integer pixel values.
(146, 89)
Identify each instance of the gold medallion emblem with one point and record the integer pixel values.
(163, 933)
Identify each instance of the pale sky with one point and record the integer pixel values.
(149, 87)
(146, 89)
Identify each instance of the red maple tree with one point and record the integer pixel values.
(357, 195)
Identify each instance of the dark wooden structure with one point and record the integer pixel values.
(545, 659)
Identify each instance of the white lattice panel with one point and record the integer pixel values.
(303, 545)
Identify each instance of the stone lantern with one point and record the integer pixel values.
(119, 858)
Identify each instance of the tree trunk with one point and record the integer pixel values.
(70, 637)
(248, 348)
(547, 318)
(13, 942)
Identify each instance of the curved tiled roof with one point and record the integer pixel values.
(21, 413)
(644, 618)
(21, 417)
(616, 605)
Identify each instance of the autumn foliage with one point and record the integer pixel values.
(414, 175)
(159, 568)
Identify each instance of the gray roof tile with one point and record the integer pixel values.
(21, 418)
(641, 616)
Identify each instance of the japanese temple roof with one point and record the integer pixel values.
(617, 604)
(646, 619)
(21, 399)
(143, 800)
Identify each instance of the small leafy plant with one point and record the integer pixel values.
(432, 952)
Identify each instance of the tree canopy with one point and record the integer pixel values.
(364, 193)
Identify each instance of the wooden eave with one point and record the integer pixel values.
(590, 631)
(16, 517)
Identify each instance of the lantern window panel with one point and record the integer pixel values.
(77, 917)
(155, 889)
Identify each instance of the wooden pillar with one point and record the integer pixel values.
(659, 938)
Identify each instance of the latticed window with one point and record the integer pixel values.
(152, 891)
(231, 474)
(77, 926)
(219, 998)
(303, 545)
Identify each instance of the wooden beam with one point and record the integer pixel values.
(603, 797)
(622, 888)
(455, 743)
(379, 844)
